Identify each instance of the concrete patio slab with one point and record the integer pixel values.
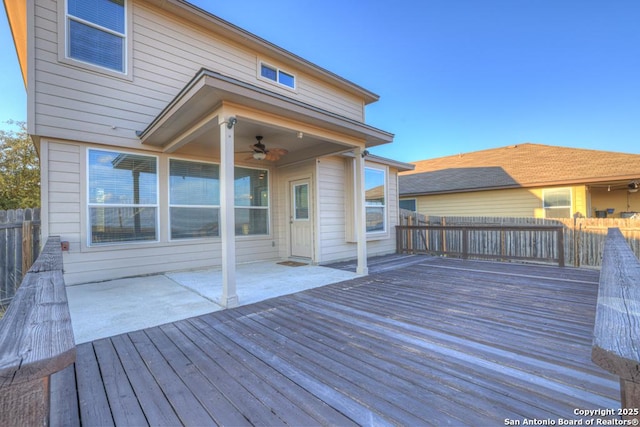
(261, 281)
(104, 309)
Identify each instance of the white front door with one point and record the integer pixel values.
(300, 219)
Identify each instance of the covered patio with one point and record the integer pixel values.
(436, 342)
(104, 309)
(237, 123)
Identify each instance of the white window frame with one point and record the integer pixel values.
(64, 40)
(267, 208)
(570, 206)
(183, 239)
(278, 71)
(89, 243)
(385, 210)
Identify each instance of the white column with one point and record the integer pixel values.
(229, 297)
(361, 214)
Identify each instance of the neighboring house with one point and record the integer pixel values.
(525, 180)
(147, 115)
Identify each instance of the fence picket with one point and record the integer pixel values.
(11, 248)
(583, 237)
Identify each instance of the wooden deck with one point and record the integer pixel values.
(439, 341)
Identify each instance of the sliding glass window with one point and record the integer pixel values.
(251, 201)
(194, 199)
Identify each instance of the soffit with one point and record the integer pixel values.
(208, 90)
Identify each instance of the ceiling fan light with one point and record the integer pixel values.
(258, 155)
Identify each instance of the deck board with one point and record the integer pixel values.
(434, 341)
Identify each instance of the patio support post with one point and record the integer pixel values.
(361, 214)
(229, 297)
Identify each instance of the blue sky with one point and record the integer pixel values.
(455, 75)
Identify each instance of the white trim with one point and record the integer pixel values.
(44, 191)
(376, 235)
(545, 209)
(278, 70)
(170, 205)
(89, 205)
(63, 42)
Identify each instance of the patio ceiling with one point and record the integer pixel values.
(189, 124)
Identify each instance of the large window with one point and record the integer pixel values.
(251, 201)
(194, 199)
(557, 203)
(375, 202)
(96, 32)
(122, 197)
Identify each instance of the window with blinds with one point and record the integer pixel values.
(122, 197)
(96, 32)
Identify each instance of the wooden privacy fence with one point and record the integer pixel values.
(19, 247)
(36, 340)
(515, 242)
(583, 238)
(616, 343)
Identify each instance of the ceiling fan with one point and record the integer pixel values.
(259, 151)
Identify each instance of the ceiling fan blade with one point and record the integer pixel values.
(278, 151)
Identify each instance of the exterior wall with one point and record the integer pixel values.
(71, 102)
(282, 203)
(334, 203)
(66, 204)
(620, 200)
(500, 203)
(481, 203)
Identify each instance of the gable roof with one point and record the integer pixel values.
(208, 20)
(17, 17)
(518, 166)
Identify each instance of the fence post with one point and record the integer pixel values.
(561, 246)
(27, 246)
(465, 243)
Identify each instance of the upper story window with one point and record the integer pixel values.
(375, 182)
(557, 203)
(277, 75)
(96, 32)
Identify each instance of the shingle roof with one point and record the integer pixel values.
(522, 165)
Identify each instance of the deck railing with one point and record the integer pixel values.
(503, 242)
(616, 335)
(36, 340)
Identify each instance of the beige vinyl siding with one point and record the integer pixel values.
(332, 183)
(67, 218)
(64, 208)
(305, 170)
(519, 202)
(77, 104)
(516, 202)
(331, 215)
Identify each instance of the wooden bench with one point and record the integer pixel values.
(36, 340)
(616, 340)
